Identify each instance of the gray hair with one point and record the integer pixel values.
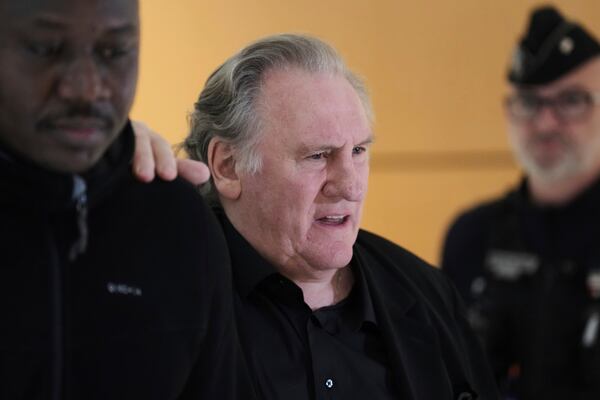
(226, 107)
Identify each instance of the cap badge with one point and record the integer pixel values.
(566, 46)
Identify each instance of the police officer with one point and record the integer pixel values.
(528, 264)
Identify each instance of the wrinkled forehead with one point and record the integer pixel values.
(101, 12)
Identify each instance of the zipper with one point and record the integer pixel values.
(58, 290)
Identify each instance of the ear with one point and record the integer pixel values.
(222, 167)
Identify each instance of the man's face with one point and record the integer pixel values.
(68, 71)
(302, 210)
(551, 148)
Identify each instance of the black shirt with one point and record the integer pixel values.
(335, 352)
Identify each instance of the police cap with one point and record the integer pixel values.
(551, 47)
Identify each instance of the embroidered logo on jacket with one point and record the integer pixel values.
(124, 289)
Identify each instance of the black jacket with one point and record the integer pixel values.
(433, 354)
(524, 269)
(123, 292)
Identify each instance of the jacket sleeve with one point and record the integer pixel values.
(463, 253)
(220, 371)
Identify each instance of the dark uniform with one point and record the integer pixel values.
(524, 270)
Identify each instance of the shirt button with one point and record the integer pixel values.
(329, 383)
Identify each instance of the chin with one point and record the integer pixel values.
(552, 175)
(338, 259)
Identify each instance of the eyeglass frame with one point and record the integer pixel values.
(553, 103)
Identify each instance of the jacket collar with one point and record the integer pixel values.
(421, 368)
(27, 185)
(407, 337)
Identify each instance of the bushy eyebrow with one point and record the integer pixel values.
(369, 140)
(306, 148)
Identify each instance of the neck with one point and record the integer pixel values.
(559, 192)
(328, 289)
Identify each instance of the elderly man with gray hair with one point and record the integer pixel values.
(324, 309)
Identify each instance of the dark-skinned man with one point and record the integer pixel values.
(99, 299)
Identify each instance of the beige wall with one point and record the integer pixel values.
(436, 74)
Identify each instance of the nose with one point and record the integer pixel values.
(344, 180)
(82, 81)
(546, 119)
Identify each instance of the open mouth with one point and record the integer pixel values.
(333, 220)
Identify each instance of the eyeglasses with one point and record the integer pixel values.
(568, 106)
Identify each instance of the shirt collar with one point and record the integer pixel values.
(365, 311)
(250, 269)
(30, 185)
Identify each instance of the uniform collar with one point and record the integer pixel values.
(586, 201)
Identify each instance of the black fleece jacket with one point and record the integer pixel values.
(111, 288)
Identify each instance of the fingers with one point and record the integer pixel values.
(164, 158)
(143, 158)
(153, 155)
(193, 171)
